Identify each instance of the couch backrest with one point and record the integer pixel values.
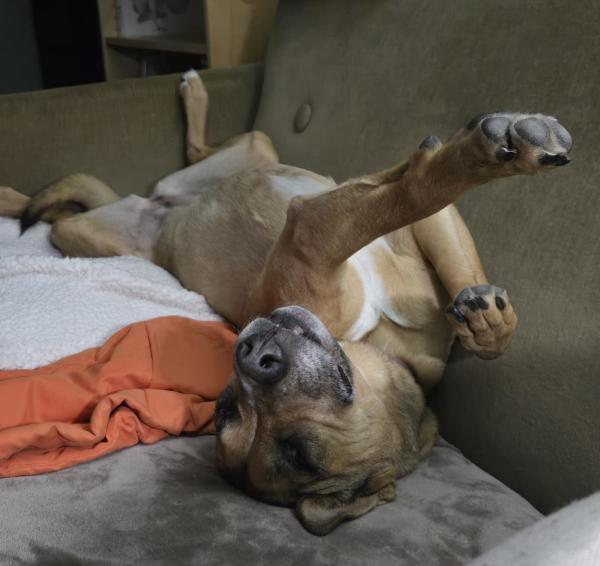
(128, 133)
(381, 75)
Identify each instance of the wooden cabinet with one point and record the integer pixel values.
(219, 33)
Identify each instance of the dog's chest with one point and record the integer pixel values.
(375, 267)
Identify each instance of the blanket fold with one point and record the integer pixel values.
(149, 380)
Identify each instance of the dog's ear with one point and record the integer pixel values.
(320, 514)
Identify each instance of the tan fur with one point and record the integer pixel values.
(12, 203)
(250, 249)
(85, 190)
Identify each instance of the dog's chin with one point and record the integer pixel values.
(303, 323)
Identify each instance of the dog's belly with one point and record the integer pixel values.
(298, 184)
(217, 245)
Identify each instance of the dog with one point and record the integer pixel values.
(349, 296)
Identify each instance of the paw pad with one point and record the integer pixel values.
(483, 320)
(473, 299)
(535, 139)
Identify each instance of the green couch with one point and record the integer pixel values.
(372, 78)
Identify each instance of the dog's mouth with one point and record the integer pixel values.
(295, 325)
(302, 322)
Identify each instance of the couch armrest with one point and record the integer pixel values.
(128, 133)
(570, 537)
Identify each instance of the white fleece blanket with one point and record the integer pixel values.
(51, 306)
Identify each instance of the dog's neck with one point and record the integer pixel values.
(387, 395)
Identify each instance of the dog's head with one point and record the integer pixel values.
(305, 422)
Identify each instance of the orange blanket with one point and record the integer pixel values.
(149, 380)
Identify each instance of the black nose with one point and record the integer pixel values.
(261, 359)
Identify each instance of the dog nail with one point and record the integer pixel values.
(556, 160)
(456, 314)
(430, 142)
(482, 303)
(506, 154)
(500, 303)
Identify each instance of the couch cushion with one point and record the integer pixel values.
(128, 133)
(165, 504)
(381, 75)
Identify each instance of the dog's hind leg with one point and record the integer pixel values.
(247, 151)
(195, 103)
(66, 197)
(12, 203)
(209, 165)
(88, 218)
(129, 226)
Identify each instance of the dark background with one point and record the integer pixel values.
(48, 44)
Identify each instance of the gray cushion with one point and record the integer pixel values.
(165, 504)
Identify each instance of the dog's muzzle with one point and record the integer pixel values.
(260, 357)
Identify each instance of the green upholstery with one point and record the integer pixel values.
(128, 133)
(379, 76)
(383, 74)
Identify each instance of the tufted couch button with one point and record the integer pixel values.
(303, 116)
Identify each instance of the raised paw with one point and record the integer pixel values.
(483, 319)
(191, 85)
(523, 143)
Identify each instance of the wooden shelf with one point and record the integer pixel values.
(229, 33)
(159, 43)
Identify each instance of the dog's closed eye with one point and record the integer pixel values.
(298, 453)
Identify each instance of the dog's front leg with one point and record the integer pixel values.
(481, 314)
(307, 265)
(491, 146)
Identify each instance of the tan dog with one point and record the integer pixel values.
(324, 410)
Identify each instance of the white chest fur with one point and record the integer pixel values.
(290, 186)
(376, 301)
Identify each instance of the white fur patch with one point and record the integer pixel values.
(187, 76)
(190, 74)
(180, 188)
(290, 186)
(376, 299)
